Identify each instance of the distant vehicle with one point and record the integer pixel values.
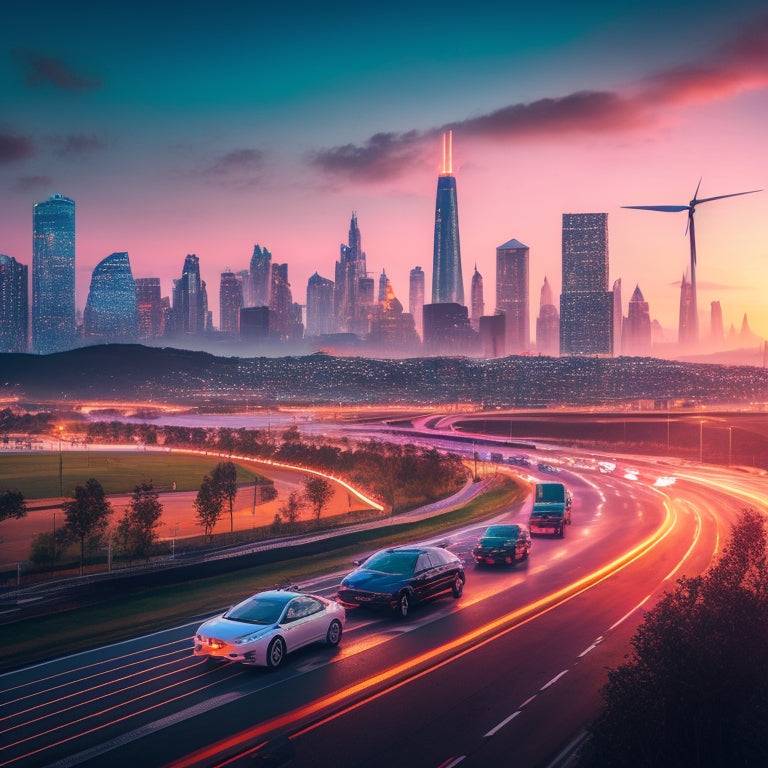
(503, 544)
(497, 458)
(519, 460)
(551, 509)
(264, 628)
(399, 577)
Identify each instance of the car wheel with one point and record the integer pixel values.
(333, 636)
(276, 652)
(458, 587)
(403, 605)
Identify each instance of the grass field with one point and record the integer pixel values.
(36, 474)
(38, 638)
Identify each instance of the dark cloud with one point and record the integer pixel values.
(77, 146)
(741, 64)
(239, 168)
(13, 148)
(40, 70)
(32, 183)
(382, 156)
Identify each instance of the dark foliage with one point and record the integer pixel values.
(87, 515)
(694, 692)
(12, 505)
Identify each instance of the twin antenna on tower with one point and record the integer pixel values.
(447, 154)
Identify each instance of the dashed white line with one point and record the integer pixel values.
(629, 613)
(498, 727)
(553, 680)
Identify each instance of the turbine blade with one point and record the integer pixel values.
(664, 208)
(697, 190)
(735, 194)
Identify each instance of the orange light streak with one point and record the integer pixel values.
(455, 649)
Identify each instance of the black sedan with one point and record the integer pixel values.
(399, 577)
(503, 544)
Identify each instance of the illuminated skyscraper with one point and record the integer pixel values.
(586, 304)
(111, 311)
(151, 315)
(618, 317)
(447, 282)
(477, 300)
(284, 316)
(416, 298)
(53, 275)
(512, 260)
(190, 300)
(14, 305)
(230, 302)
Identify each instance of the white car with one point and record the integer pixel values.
(264, 628)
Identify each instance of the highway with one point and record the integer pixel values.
(510, 672)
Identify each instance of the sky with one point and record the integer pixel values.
(196, 128)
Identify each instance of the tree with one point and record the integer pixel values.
(208, 505)
(695, 689)
(87, 514)
(224, 479)
(267, 491)
(291, 510)
(12, 505)
(137, 530)
(318, 492)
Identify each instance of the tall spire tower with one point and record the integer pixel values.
(447, 282)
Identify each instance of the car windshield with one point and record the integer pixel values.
(398, 563)
(257, 610)
(502, 531)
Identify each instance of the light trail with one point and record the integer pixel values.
(403, 673)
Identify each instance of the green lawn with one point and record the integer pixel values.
(42, 637)
(36, 474)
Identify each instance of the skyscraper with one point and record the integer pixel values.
(716, 324)
(687, 301)
(14, 305)
(230, 302)
(151, 315)
(586, 304)
(547, 323)
(351, 316)
(53, 274)
(636, 335)
(618, 317)
(512, 261)
(190, 300)
(284, 316)
(477, 299)
(112, 311)
(447, 282)
(320, 320)
(257, 293)
(383, 281)
(416, 298)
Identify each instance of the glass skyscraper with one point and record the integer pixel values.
(586, 304)
(53, 275)
(447, 282)
(112, 310)
(13, 305)
(512, 294)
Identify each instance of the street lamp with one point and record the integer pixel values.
(701, 442)
(730, 444)
(61, 465)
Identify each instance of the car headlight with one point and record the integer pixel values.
(249, 638)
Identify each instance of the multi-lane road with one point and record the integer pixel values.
(508, 674)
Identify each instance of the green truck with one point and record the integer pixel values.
(551, 509)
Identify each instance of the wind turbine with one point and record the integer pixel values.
(693, 318)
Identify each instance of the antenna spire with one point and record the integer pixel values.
(447, 154)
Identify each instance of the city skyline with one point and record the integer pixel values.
(166, 159)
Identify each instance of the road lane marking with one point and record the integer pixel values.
(553, 680)
(498, 727)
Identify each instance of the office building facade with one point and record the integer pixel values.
(14, 305)
(477, 300)
(111, 310)
(416, 298)
(512, 265)
(586, 304)
(53, 275)
(320, 319)
(230, 302)
(150, 303)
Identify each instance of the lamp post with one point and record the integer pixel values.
(61, 467)
(730, 445)
(701, 441)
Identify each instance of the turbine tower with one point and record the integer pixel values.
(693, 319)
